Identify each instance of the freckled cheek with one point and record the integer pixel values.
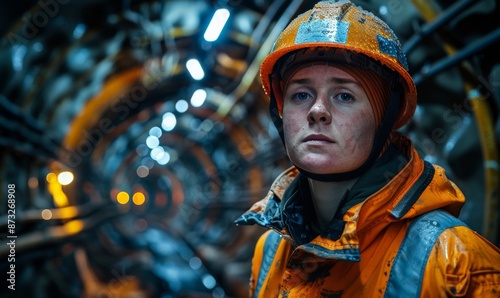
(366, 134)
(292, 131)
(359, 138)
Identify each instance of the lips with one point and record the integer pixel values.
(318, 138)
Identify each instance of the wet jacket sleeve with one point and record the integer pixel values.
(462, 264)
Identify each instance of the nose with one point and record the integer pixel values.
(320, 112)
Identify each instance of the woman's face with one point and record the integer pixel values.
(328, 121)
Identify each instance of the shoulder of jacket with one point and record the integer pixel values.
(462, 262)
(461, 239)
(413, 254)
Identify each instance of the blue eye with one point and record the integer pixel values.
(344, 97)
(300, 96)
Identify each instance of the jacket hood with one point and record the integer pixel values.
(404, 188)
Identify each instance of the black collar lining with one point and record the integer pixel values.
(415, 191)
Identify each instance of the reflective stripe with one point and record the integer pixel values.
(390, 47)
(407, 271)
(270, 247)
(325, 30)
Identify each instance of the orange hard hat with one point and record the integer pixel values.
(349, 28)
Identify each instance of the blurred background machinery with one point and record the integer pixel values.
(134, 132)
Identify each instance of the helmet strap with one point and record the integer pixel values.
(275, 115)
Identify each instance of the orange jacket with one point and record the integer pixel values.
(354, 257)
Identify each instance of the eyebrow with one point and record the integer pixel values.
(334, 80)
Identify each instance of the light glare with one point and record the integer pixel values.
(164, 159)
(169, 121)
(157, 153)
(181, 106)
(198, 98)
(65, 178)
(195, 69)
(138, 198)
(155, 131)
(122, 197)
(216, 25)
(46, 214)
(152, 142)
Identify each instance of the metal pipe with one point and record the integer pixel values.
(437, 23)
(447, 62)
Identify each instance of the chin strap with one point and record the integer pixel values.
(381, 136)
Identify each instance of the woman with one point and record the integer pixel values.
(360, 214)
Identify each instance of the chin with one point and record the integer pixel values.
(316, 168)
(323, 163)
(324, 167)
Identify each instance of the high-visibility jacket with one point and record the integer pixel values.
(395, 235)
